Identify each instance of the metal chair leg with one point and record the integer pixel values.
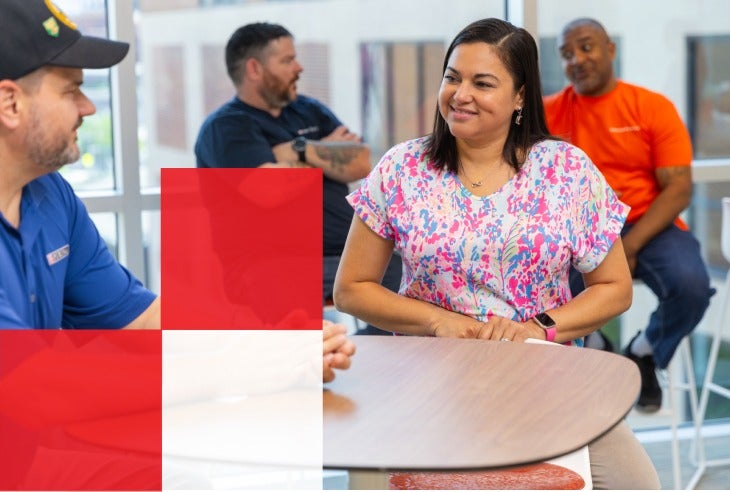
(690, 386)
(709, 386)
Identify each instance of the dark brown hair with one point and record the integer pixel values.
(250, 41)
(518, 51)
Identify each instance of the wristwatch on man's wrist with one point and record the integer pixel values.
(300, 147)
(544, 321)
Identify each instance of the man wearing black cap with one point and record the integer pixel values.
(56, 270)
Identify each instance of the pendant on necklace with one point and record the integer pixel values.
(476, 185)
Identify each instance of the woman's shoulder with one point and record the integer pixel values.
(406, 164)
(408, 154)
(414, 148)
(558, 157)
(558, 148)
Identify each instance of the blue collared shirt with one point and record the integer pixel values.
(55, 269)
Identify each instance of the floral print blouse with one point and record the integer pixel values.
(507, 253)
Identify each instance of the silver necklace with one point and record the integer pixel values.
(474, 184)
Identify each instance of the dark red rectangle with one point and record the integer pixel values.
(242, 248)
(80, 410)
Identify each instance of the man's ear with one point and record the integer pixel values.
(9, 104)
(611, 49)
(253, 69)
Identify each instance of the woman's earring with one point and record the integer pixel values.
(518, 119)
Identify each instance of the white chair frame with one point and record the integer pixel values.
(709, 386)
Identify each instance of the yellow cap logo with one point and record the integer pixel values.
(51, 26)
(59, 15)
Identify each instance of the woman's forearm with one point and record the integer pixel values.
(357, 290)
(589, 311)
(608, 293)
(387, 310)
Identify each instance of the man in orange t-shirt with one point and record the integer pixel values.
(638, 141)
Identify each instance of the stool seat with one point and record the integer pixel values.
(540, 476)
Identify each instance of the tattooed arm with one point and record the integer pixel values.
(340, 161)
(341, 155)
(676, 192)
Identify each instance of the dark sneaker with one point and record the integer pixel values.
(650, 397)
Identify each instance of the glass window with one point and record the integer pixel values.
(400, 86)
(336, 43)
(152, 247)
(94, 171)
(106, 224)
(709, 94)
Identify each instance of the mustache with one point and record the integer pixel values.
(78, 123)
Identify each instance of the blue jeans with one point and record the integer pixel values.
(672, 267)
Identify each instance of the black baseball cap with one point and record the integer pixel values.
(35, 33)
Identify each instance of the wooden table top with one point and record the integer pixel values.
(423, 403)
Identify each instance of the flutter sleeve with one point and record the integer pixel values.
(597, 215)
(374, 201)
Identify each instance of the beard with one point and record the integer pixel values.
(276, 93)
(50, 151)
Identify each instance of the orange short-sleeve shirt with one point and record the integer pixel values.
(628, 133)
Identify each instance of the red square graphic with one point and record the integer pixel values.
(80, 410)
(242, 249)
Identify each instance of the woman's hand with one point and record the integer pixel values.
(499, 328)
(455, 325)
(495, 328)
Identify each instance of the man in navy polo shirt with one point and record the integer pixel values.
(268, 124)
(55, 269)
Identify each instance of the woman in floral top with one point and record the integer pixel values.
(489, 212)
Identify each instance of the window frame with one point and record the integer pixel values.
(128, 201)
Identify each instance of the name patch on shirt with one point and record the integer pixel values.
(308, 130)
(624, 129)
(55, 256)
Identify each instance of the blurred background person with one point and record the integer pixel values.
(268, 124)
(638, 141)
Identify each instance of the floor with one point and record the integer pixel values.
(717, 478)
(653, 430)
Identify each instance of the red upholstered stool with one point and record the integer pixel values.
(540, 476)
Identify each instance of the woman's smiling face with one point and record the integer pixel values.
(477, 97)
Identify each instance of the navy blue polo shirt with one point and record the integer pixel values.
(240, 135)
(56, 269)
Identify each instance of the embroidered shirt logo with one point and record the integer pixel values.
(55, 256)
(308, 130)
(624, 129)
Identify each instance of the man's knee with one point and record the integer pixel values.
(691, 290)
